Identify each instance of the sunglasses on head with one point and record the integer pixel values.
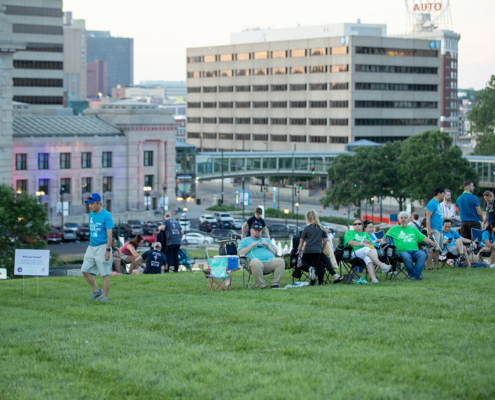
(357, 223)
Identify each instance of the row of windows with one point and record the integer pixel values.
(29, 64)
(264, 55)
(396, 122)
(315, 69)
(396, 86)
(396, 104)
(38, 29)
(266, 88)
(273, 104)
(65, 160)
(270, 121)
(65, 185)
(382, 139)
(397, 70)
(46, 47)
(273, 138)
(383, 51)
(34, 11)
(38, 82)
(40, 99)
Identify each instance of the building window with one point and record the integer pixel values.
(382, 139)
(318, 139)
(339, 68)
(194, 89)
(279, 88)
(318, 121)
(339, 139)
(45, 47)
(148, 158)
(298, 70)
(22, 186)
(38, 82)
(298, 121)
(209, 135)
(209, 89)
(44, 186)
(242, 72)
(339, 122)
(226, 136)
(318, 86)
(279, 104)
(211, 120)
(65, 185)
(209, 150)
(260, 104)
(279, 121)
(226, 73)
(194, 74)
(260, 71)
(381, 51)
(243, 56)
(396, 87)
(260, 138)
(279, 54)
(192, 60)
(320, 51)
(298, 87)
(108, 183)
(226, 57)
(298, 53)
(148, 180)
(86, 185)
(242, 104)
(260, 88)
(279, 71)
(226, 89)
(37, 29)
(86, 160)
(242, 136)
(339, 50)
(339, 86)
(34, 11)
(260, 121)
(396, 69)
(226, 120)
(106, 161)
(298, 138)
(261, 55)
(211, 104)
(48, 100)
(210, 74)
(316, 69)
(396, 104)
(208, 59)
(297, 104)
(228, 104)
(339, 104)
(194, 120)
(279, 138)
(243, 121)
(396, 122)
(64, 160)
(21, 162)
(194, 105)
(193, 135)
(317, 104)
(246, 88)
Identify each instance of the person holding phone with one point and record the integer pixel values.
(454, 243)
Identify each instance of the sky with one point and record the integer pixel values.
(163, 29)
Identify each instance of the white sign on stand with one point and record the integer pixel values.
(3, 273)
(32, 263)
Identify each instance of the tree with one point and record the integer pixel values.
(429, 160)
(22, 223)
(389, 164)
(485, 145)
(482, 116)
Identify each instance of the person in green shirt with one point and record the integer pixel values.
(363, 248)
(406, 239)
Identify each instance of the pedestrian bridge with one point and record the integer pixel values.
(284, 163)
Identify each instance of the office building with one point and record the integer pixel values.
(305, 88)
(156, 92)
(38, 70)
(117, 52)
(74, 58)
(97, 79)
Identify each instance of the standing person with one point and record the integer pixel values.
(98, 258)
(246, 227)
(469, 210)
(156, 262)
(162, 239)
(489, 208)
(415, 222)
(434, 225)
(448, 209)
(130, 254)
(174, 234)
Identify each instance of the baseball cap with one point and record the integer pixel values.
(257, 226)
(93, 197)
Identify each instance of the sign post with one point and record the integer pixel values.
(32, 263)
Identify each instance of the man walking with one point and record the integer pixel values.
(98, 258)
(469, 210)
(434, 223)
(174, 234)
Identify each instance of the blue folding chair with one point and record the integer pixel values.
(476, 235)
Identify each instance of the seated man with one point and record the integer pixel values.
(406, 239)
(454, 243)
(156, 262)
(261, 257)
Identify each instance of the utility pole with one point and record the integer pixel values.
(293, 185)
(243, 200)
(222, 175)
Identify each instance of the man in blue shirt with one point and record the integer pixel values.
(246, 227)
(434, 221)
(174, 234)
(156, 262)
(454, 243)
(261, 257)
(469, 210)
(98, 258)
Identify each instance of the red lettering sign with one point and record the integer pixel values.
(428, 7)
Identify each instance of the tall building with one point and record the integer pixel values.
(38, 70)
(74, 57)
(97, 79)
(117, 52)
(157, 92)
(305, 88)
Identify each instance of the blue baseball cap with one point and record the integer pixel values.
(93, 197)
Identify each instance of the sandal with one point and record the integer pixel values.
(339, 280)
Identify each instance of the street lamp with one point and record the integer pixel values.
(297, 214)
(286, 212)
(147, 190)
(62, 203)
(164, 187)
(40, 195)
(185, 222)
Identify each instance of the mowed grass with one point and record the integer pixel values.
(168, 336)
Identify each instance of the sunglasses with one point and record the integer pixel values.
(89, 198)
(358, 223)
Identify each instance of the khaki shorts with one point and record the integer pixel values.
(94, 261)
(438, 237)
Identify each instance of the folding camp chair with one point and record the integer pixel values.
(389, 253)
(343, 255)
(446, 255)
(185, 261)
(247, 278)
(219, 273)
(476, 236)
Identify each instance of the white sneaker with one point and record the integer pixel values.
(492, 266)
(374, 281)
(385, 268)
(312, 274)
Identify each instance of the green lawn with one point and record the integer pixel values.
(168, 336)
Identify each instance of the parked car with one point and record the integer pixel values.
(296, 228)
(237, 224)
(223, 216)
(208, 226)
(136, 230)
(185, 224)
(54, 236)
(207, 217)
(196, 238)
(330, 228)
(125, 230)
(71, 225)
(149, 228)
(148, 240)
(135, 222)
(225, 225)
(223, 234)
(281, 231)
(83, 233)
(69, 235)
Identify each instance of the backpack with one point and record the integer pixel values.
(349, 278)
(227, 248)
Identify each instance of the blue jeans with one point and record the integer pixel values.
(409, 257)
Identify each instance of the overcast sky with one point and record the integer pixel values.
(163, 29)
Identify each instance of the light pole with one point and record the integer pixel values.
(297, 215)
(293, 185)
(222, 177)
(62, 204)
(243, 200)
(147, 190)
(164, 187)
(40, 195)
(286, 212)
(185, 228)
(372, 209)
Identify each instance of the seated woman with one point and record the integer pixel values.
(129, 253)
(361, 241)
(488, 242)
(368, 228)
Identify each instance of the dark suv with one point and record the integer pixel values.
(207, 226)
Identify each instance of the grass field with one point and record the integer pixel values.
(169, 337)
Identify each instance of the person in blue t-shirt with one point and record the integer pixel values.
(488, 242)
(434, 220)
(156, 262)
(98, 258)
(469, 210)
(455, 243)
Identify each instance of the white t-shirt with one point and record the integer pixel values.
(448, 210)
